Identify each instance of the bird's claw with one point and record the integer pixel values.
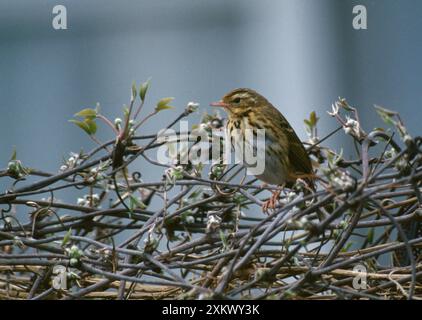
(271, 202)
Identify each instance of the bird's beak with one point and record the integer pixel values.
(219, 104)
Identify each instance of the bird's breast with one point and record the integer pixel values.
(257, 151)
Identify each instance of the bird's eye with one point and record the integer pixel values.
(237, 100)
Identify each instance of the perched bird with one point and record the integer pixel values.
(286, 159)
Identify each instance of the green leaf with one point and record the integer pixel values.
(134, 93)
(136, 203)
(313, 119)
(386, 118)
(13, 157)
(163, 104)
(370, 236)
(164, 107)
(125, 111)
(66, 237)
(386, 115)
(223, 239)
(391, 113)
(87, 113)
(344, 104)
(347, 247)
(81, 125)
(91, 125)
(88, 125)
(143, 89)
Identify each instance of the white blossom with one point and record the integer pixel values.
(189, 220)
(352, 127)
(289, 198)
(344, 182)
(88, 200)
(192, 106)
(71, 162)
(213, 222)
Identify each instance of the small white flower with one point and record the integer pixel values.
(81, 202)
(87, 200)
(192, 107)
(335, 109)
(313, 140)
(390, 153)
(352, 127)
(90, 180)
(407, 139)
(117, 121)
(289, 198)
(303, 220)
(401, 164)
(71, 162)
(344, 182)
(213, 222)
(190, 219)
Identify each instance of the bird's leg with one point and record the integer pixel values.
(271, 202)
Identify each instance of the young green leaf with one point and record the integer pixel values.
(87, 113)
(134, 93)
(81, 125)
(344, 104)
(136, 203)
(91, 125)
(163, 104)
(143, 89)
(13, 157)
(313, 119)
(66, 237)
(223, 239)
(386, 115)
(391, 113)
(125, 111)
(370, 236)
(386, 118)
(347, 247)
(88, 125)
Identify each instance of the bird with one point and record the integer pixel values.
(286, 158)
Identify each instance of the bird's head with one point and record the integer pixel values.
(240, 102)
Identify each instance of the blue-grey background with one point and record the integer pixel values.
(300, 54)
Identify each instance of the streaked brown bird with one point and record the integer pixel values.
(286, 159)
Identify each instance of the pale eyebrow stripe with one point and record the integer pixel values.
(241, 95)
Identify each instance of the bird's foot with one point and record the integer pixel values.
(271, 202)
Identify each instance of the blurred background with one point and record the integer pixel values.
(301, 54)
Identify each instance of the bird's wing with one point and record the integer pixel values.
(298, 157)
